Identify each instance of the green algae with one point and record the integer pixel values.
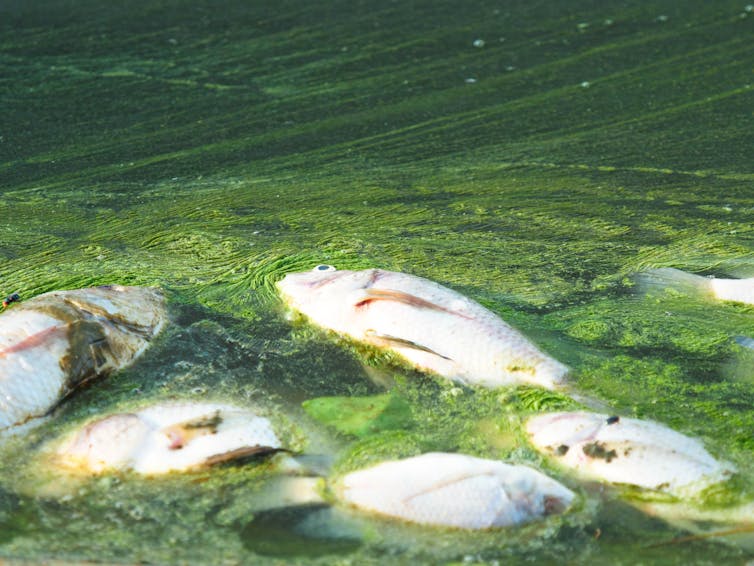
(361, 416)
(210, 150)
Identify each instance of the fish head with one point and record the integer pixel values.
(322, 294)
(559, 431)
(107, 443)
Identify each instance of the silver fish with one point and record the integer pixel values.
(627, 451)
(736, 290)
(167, 437)
(434, 328)
(455, 490)
(52, 343)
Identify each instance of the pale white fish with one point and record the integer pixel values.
(738, 290)
(52, 343)
(454, 490)
(434, 328)
(167, 437)
(627, 451)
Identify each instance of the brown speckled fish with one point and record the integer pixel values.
(627, 451)
(52, 343)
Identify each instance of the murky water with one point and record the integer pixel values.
(530, 155)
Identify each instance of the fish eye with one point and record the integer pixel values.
(324, 267)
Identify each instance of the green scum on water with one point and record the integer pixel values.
(531, 156)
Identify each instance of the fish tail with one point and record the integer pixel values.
(660, 281)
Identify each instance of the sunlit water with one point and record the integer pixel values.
(532, 156)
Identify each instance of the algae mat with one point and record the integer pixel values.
(532, 155)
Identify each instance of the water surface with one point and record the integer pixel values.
(531, 155)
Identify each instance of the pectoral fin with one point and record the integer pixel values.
(370, 295)
(395, 342)
(239, 453)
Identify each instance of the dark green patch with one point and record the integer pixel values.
(282, 533)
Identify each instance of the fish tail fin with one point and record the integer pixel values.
(659, 281)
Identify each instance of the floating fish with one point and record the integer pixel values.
(738, 290)
(167, 437)
(627, 451)
(434, 328)
(455, 490)
(52, 343)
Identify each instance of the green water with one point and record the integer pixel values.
(211, 147)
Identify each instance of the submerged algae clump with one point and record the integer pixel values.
(361, 416)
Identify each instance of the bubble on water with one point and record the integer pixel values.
(585, 84)
(470, 80)
(661, 18)
(478, 43)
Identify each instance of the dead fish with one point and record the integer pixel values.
(52, 343)
(167, 437)
(455, 490)
(737, 290)
(434, 328)
(627, 451)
